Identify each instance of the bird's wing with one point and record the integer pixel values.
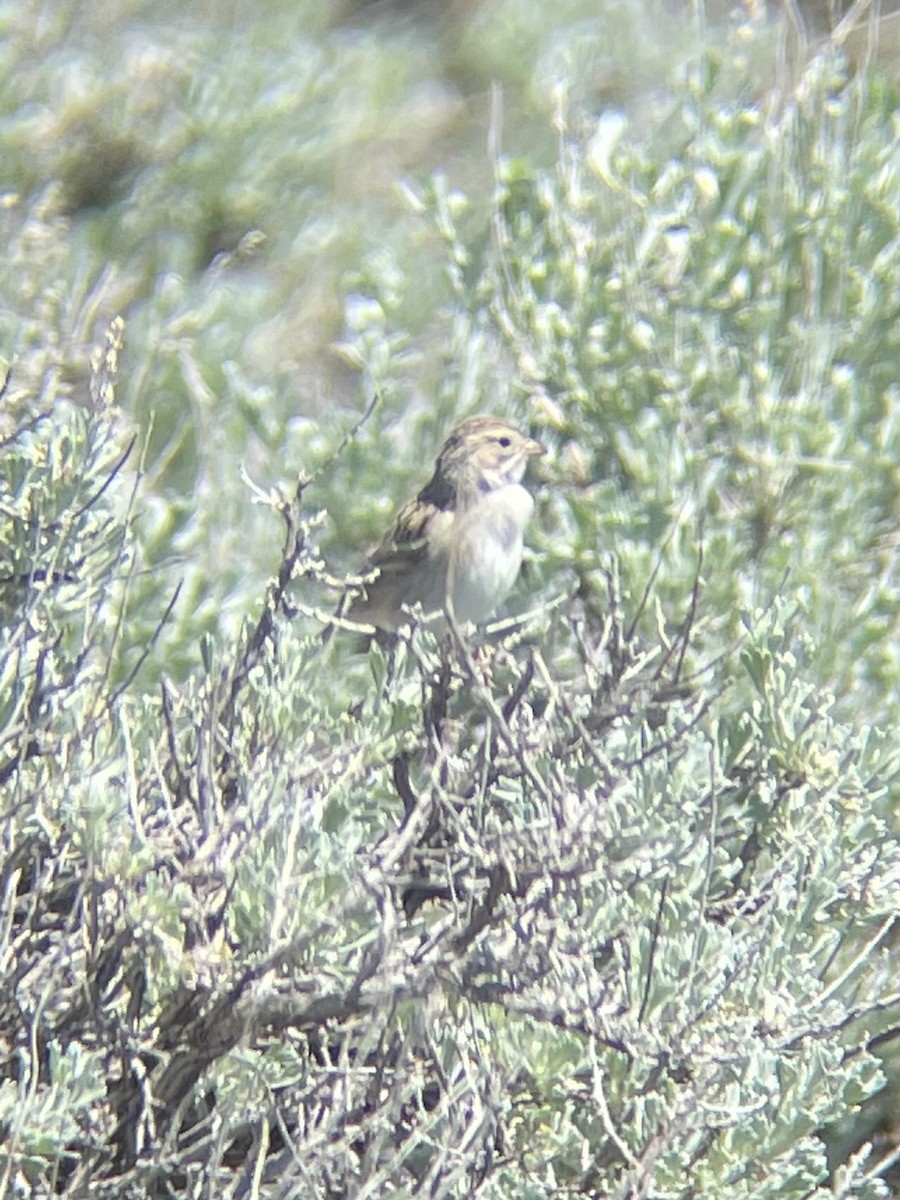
(409, 565)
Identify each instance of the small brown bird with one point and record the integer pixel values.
(458, 545)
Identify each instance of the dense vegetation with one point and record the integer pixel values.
(603, 907)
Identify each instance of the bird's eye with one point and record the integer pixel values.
(504, 441)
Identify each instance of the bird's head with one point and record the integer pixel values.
(485, 453)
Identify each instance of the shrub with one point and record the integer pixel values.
(604, 909)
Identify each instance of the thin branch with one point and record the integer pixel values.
(654, 942)
(145, 653)
(113, 472)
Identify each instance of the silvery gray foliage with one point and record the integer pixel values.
(605, 909)
(574, 913)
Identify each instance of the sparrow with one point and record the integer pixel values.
(457, 547)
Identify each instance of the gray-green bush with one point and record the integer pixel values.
(606, 910)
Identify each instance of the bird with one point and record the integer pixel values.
(456, 548)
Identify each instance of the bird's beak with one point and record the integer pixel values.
(534, 449)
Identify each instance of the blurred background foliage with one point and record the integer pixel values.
(695, 235)
(665, 236)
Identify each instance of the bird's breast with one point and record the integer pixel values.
(487, 552)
